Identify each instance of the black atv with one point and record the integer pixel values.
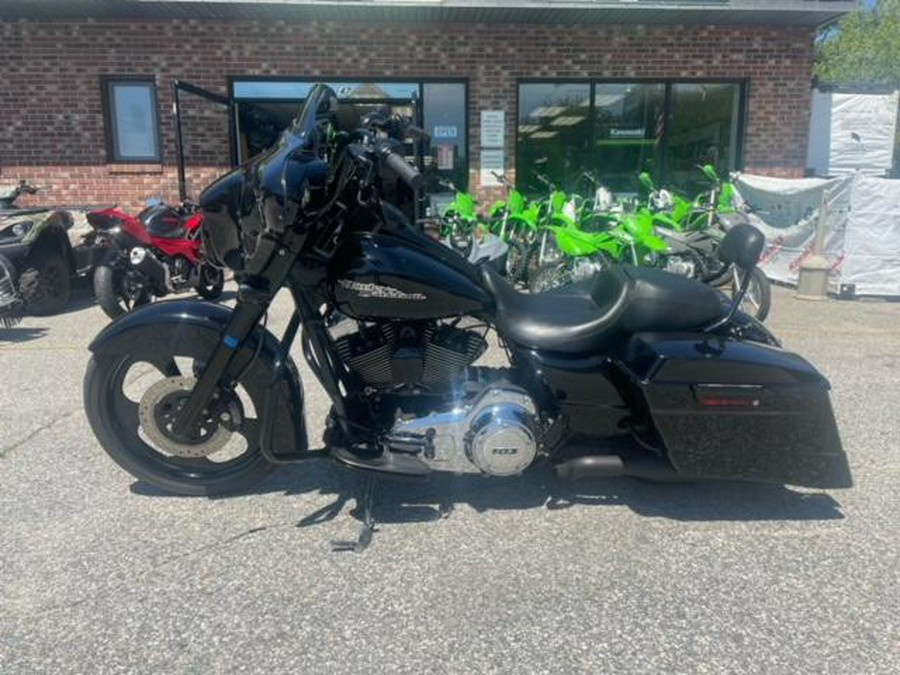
(47, 246)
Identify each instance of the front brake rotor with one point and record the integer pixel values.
(163, 402)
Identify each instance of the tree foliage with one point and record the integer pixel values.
(864, 48)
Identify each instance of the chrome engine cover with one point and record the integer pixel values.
(494, 434)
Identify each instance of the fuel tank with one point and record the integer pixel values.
(162, 221)
(403, 275)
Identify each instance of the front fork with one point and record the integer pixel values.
(267, 271)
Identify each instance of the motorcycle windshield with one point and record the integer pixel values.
(318, 111)
(296, 165)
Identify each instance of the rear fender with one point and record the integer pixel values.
(164, 325)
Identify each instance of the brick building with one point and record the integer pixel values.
(519, 86)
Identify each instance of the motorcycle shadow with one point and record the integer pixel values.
(415, 500)
(408, 501)
(21, 334)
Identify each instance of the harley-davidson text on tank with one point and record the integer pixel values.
(365, 290)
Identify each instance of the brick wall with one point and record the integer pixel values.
(52, 128)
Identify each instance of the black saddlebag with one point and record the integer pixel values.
(738, 410)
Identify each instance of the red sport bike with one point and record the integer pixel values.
(153, 254)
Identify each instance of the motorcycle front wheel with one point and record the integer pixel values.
(132, 399)
(119, 291)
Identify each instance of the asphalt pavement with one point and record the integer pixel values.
(100, 573)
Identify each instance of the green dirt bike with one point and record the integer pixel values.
(515, 221)
(678, 235)
(558, 210)
(693, 232)
(459, 220)
(627, 237)
(593, 239)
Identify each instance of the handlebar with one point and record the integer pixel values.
(405, 171)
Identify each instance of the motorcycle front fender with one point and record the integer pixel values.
(149, 330)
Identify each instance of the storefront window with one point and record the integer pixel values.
(703, 129)
(616, 130)
(628, 132)
(553, 133)
(265, 107)
(444, 107)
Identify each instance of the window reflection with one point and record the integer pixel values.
(553, 133)
(616, 130)
(628, 132)
(702, 130)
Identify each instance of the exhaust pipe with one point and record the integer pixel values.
(145, 262)
(608, 466)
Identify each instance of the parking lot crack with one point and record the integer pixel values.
(6, 450)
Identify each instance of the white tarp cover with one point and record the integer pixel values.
(862, 242)
(852, 132)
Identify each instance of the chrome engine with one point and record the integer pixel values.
(681, 266)
(451, 416)
(494, 433)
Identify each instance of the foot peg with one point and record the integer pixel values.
(385, 462)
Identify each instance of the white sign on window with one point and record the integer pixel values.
(446, 131)
(493, 128)
(492, 162)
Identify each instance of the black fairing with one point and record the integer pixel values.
(266, 192)
(399, 273)
(739, 410)
(147, 333)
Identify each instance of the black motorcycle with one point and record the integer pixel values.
(641, 373)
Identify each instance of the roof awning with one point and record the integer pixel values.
(710, 12)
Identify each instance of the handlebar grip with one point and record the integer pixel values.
(407, 173)
(418, 132)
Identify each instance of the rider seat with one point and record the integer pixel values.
(593, 316)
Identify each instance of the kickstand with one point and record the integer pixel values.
(363, 501)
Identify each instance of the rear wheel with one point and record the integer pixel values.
(119, 291)
(758, 299)
(131, 401)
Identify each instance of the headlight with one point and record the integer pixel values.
(21, 228)
(17, 230)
